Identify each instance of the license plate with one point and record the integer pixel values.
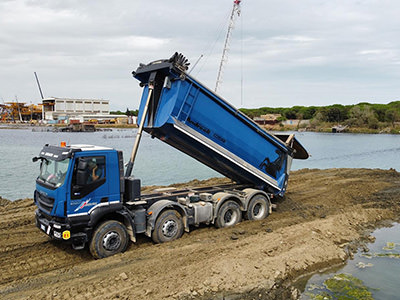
(43, 227)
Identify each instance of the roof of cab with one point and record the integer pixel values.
(84, 147)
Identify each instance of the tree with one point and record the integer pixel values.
(392, 115)
(362, 115)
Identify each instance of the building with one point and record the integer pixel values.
(66, 108)
(268, 119)
(296, 123)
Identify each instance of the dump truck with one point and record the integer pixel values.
(86, 197)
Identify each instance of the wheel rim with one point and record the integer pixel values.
(258, 210)
(169, 228)
(111, 241)
(230, 217)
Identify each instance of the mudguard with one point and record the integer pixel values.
(250, 193)
(101, 210)
(113, 209)
(154, 211)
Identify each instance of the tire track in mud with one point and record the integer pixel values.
(322, 210)
(35, 259)
(24, 250)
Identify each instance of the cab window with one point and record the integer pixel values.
(89, 174)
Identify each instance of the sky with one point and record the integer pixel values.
(281, 53)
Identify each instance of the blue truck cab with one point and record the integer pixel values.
(77, 185)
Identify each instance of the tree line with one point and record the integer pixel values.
(361, 114)
(126, 113)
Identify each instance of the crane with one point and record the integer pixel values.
(235, 12)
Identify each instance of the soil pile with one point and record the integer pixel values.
(315, 226)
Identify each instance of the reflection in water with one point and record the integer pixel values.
(370, 275)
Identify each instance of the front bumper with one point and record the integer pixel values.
(60, 230)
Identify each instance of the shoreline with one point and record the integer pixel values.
(276, 128)
(325, 216)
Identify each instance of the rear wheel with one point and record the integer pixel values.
(258, 208)
(109, 238)
(229, 214)
(168, 227)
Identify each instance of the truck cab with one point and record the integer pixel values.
(77, 185)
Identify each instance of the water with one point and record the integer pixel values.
(159, 164)
(378, 271)
(329, 150)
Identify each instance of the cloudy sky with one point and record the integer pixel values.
(288, 52)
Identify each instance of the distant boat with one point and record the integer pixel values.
(339, 129)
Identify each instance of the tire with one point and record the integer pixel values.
(168, 227)
(258, 208)
(228, 215)
(109, 238)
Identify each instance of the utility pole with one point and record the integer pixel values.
(235, 12)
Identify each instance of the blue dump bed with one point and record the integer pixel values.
(188, 116)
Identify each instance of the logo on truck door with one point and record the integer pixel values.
(84, 203)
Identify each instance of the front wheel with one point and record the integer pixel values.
(168, 227)
(258, 208)
(229, 214)
(109, 238)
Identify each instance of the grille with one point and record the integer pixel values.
(45, 203)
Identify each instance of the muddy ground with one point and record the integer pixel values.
(322, 219)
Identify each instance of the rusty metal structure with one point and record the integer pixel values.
(19, 112)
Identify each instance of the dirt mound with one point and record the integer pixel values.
(315, 226)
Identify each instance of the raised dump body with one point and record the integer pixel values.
(187, 115)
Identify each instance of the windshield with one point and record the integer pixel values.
(53, 172)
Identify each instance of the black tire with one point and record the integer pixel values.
(168, 227)
(228, 215)
(109, 238)
(258, 208)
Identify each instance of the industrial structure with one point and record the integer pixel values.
(60, 110)
(19, 111)
(235, 12)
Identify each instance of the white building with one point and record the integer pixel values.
(65, 108)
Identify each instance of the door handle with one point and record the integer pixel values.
(104, 199)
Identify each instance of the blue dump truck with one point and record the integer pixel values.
(85, 196)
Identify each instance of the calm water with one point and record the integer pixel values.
(159, 164)
(378, 271)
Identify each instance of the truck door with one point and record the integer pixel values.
(89, 184)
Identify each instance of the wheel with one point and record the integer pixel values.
(258, 208)
(109, 238)
(168, 227)
(229, 214)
